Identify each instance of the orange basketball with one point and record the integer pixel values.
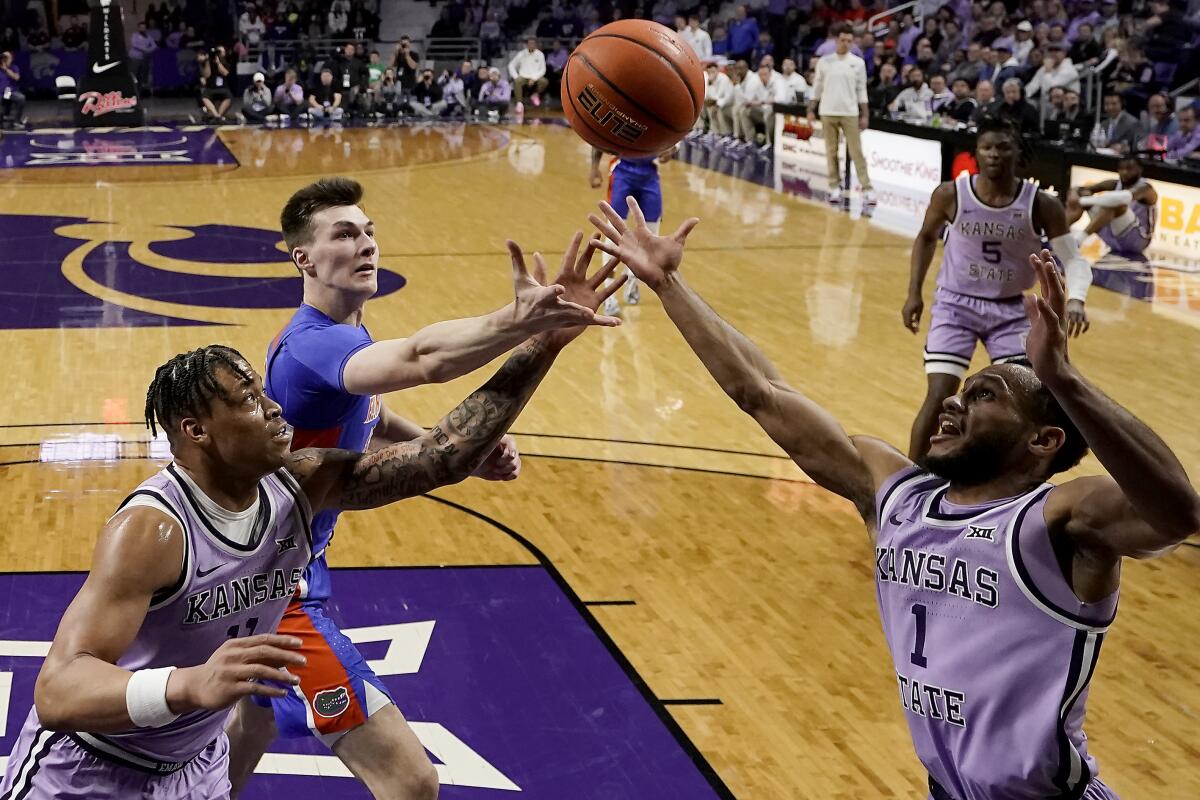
(633, 88)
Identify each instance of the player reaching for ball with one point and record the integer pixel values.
(995, 586)
(637, 178)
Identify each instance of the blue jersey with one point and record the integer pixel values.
(304, 375)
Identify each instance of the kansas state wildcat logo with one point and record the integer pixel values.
(70, 272)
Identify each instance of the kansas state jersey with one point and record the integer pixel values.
(987, 249)
(225, 589)
(992, 650)
(304, 375)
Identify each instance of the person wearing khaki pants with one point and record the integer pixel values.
(840, 95)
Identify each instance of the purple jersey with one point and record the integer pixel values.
(304, 375)
(1131, 234)
(992, 650)
(225, 589)
(987, 248)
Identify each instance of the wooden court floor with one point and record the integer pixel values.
(642, 482)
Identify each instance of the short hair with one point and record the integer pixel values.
(296, 219)
(993, 123)
(186, 385)
(1012, 82)
(838, 28)
(1120, 99)
(1130, 157)
(1045, 410)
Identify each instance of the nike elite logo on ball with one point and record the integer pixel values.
(98, 68)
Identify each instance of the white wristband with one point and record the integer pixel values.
(146, 698)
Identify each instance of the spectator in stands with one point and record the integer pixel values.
(337, 21)
(942, 96)
(426, 97)
(985, 95)
(289, 98)
(256, 100)
(720, 41)
(883, 89)
(407, 63)
(12, 101)
(698, 38)
(1120, 128)
(913, 104)
(453, 93)
(528, 71)
(995, 61)
(764, 47)
(1159, 119)
(1169, 31)
(1014, 107)
(743, 35)
(717, 114)
(1085, 50)
(1109, 18)
(251, 26)
(175, 37)
(794, 85)
(490, 33)
(1186, 142)
(375, 69)
(74, 37)
(555, 62)
(969, 70)
(446, 26)
(962, 106)
(952, 41)
(495, 94)
(351, 78)
(1057, 70)
(472, 82)
(988, 31)
(757, 105)
(390, 100)
(215, 97)
(1024, 72)
(1022, 41)
(1070, 123)
(1134, 78)
(140, 49)
(324, 99)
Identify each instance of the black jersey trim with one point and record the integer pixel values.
(167, 593)
(261, 521)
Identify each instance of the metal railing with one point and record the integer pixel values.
(453, 50)
(873, 24)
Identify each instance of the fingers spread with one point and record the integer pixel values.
(605, 228)
(604, 272)
(681, 233)
(518, 259)
(539, 269)
(613, 217)
(612, 288)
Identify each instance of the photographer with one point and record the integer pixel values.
(427, 97)
(407, 63)
(215, 97)
(351, 78)
(256, 100)
(289, 98)
(324, 99)
(390, 102)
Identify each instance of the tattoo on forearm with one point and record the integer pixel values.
(459, 443)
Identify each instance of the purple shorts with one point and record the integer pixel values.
(1131, 240)
(958, 321)
(46, 765)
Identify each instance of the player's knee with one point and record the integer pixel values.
(425, 783)
(416, 782)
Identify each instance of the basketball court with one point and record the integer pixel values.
(662, 606)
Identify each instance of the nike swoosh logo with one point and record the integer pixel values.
(98, 68)
(200, 573)
(894, 520)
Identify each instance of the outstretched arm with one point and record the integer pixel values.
(458, 444)
(447, 350)
(1051, 217)
(941, 211)
(809, 434)
(1148, 504)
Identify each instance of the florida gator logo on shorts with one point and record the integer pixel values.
(331, 702)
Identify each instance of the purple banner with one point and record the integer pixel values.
(503, 676)
(169, 68)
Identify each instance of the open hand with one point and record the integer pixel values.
(1046, 345)
(239, 667)
(541, 306)
(502, 464)
(652, 258)
(573, 287)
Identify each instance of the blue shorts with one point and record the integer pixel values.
(647, 192)
(337, 691)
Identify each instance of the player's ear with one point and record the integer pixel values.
(302, 261)
(1047, 440)
(193, 430)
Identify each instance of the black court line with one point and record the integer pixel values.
(659, 706)
(610, 602)
(526, 434)
(693, 701)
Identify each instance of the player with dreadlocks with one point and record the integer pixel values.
(991, 222)
(191, 575)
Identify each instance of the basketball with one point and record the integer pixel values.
(633, 88)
